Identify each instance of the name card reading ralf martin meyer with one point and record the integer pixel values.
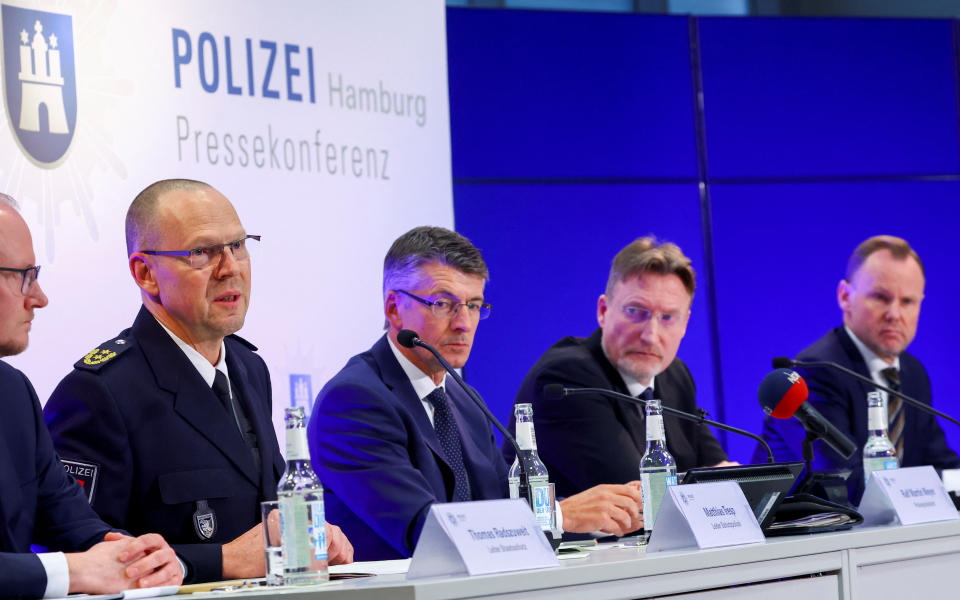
(480, 537)
(910, 495)
(707, 515)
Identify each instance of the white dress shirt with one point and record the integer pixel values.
(423, 385)
(875, 364)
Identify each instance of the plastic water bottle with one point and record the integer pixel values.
(658, 469)
(879, 452)
(537, 477)
(300, 497)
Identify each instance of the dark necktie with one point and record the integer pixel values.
(221, 387)
(895, 412)
(449, 436)
(645, 395)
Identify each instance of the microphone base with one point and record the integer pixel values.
(554, 541)
(829, 485)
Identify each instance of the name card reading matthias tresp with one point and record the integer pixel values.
(707, 515)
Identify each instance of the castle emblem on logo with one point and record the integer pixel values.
(40, 82)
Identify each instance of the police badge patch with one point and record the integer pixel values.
(204, 521)
(85, 473)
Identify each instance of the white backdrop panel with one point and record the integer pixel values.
(327, 212)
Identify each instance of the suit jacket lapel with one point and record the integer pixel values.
(271, 464)
(10, 501)
(395, 379)
(192, 397)
(856, 360)
(629, 412)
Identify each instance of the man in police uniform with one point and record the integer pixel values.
(38, 502)
(172, 418)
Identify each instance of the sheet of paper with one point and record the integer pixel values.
(374, 567)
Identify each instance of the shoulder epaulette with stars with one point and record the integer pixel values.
(103, 354)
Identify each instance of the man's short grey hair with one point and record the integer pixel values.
(424, 245)
(9, 201)
(141, 224)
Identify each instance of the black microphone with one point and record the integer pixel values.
(783, 394)
(408, 339)
(783, 362)
(555, 391)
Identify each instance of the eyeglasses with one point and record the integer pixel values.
(205, 256)
(639, 314)
(448, 308)
(27, 277)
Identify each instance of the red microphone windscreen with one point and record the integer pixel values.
(782, 392)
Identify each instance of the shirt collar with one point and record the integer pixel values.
(203, 366)
(875, 364)
(422, 383)
(635, 387)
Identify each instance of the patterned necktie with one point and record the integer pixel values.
(449, 436)
(895, 412)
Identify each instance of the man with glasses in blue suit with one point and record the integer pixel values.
(389, 437)
(170, 422)
(39, 502)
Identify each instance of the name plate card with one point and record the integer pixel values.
(910, 495)
(705, 515)
(478, 538)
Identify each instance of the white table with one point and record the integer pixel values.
(920, 561)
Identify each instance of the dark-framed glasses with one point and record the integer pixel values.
(447, 308)
(204, 256)
(28, 276)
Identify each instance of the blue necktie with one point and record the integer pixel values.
(645, 395)
(449, 436)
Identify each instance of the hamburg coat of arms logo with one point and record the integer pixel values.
(40, 84)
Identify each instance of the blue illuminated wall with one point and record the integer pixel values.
(575, 133)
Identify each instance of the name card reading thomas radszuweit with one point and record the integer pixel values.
(910, 495)
(480, 537)
(706, 515)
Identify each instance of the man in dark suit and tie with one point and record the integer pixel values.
(170, 421)
(39, 502)
(390, 435)
(880, 298)
(586, 440)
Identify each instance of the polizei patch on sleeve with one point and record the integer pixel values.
(85, 473)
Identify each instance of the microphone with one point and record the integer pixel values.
(783, 394)
(555, 391)
(783, 362)
(409, 339)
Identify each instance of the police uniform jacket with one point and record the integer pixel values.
(164, 453)
(39, 502)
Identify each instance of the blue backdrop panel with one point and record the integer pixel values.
(796, 97)
(554, 94)
(549, 250)
(780, 252)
